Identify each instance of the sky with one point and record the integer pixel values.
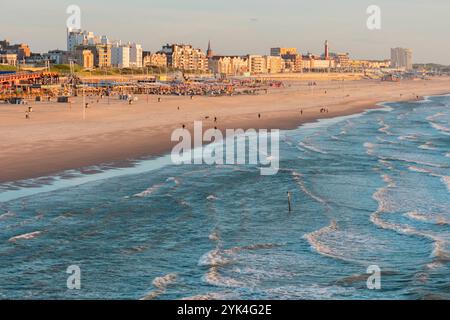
(241, 26)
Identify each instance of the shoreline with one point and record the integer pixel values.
(115, 137)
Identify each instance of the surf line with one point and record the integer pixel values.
(230, 149)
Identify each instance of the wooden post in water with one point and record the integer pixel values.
(289, 201)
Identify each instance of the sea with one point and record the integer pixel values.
(369, 191)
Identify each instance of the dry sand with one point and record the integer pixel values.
(56, 137)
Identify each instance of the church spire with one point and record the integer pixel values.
(209, 52)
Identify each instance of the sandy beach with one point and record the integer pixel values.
(57, 138)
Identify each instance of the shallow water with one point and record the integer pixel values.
(370, 189)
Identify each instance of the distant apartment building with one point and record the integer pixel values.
(228, 65)
(22, 50)
(155, 59)
(76, 37)
(291, 60)
(8, 58)
(257, 64)
(85, 59)
(56, 56)
(135, 55)
(401, 58)
(274, 64)
(312, 63)
(342, 60)
(185, 57)
(369, 64)
(101, 52)
(120, 56)
(278, 52)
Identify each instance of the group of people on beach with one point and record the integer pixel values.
(324, 110)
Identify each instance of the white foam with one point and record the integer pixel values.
(441, 128)
(148, 191)
(214, 258)
(26, 236)
(311, 148)
(213, 277)
(161, 284)
(297, 178)
(427, 146)
(370, 147)
(7, 215)
(446, 181)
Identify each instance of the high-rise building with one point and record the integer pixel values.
(228, 65)
(120, 56)
(327, 51)
(76, 37)
(276, 52)
(401, 58)
(257, 64)
(135, 55)
(101, 52)
(185, 57)
(155, 60)
(274, 64)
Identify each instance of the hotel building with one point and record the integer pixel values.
(401, 58)
(228, 65)
(185, 57)
(120, 56)
(155, 60)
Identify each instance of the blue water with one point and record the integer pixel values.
(370, 189)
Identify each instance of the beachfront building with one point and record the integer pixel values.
(363, 65)
(22, 50)
(401, 58)
(9, 59)
(228, 65)
(185, 57)
(278, 52)
(76, 37)
(342, 60)
(274, 64)
(291, 60)
(120, 56)
(257, 64)
(155, 60)
(59, 56)
(84, 58)
(101, 52)
(135, 55)
(312, 63)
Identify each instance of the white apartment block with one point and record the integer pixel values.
(401, 58)
(120, 56)
(76, 37)
(135, 55)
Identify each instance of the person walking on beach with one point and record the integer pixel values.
(301, 112)
(259, 115)
(27, 115)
